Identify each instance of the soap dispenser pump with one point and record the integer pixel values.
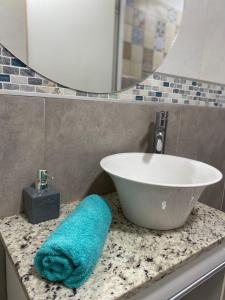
(41, 183)
(41, 202)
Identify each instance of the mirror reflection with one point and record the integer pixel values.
(150, 28)
(91, 45)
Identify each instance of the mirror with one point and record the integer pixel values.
(96, 46)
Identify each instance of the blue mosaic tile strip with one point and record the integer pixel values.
(18, 63)
(15, 76)
(4, 78)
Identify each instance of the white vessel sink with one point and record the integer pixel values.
(158, 191)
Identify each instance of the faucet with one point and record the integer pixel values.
(160, 131)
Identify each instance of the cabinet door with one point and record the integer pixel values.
(212, 289)
(14, 287)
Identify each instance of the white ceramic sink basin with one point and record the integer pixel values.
(158, 191)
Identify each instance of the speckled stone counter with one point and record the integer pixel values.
(133, 257)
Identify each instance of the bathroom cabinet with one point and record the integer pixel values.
(202, 278)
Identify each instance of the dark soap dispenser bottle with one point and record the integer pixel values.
(40, 201)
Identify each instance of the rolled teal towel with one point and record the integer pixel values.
(72, 251)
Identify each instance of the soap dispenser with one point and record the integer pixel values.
(40, 200)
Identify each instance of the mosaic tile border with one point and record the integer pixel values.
(15, 77)
(179, 90)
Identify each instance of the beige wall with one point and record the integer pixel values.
(200, 46)
(13, 33)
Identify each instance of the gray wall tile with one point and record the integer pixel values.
(80, 133)
(202, 137)
(21, 147)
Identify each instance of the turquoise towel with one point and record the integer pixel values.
(72, 251)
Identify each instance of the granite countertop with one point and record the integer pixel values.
(133, 257)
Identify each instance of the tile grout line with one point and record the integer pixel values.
(223, 193)
(44, 125)
(179, 131)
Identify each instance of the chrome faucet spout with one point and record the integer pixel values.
(160, 131)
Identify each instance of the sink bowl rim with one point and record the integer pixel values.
(218, 174)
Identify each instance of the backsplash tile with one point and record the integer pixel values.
(15, 77)
(4, 78)
(16, 62)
